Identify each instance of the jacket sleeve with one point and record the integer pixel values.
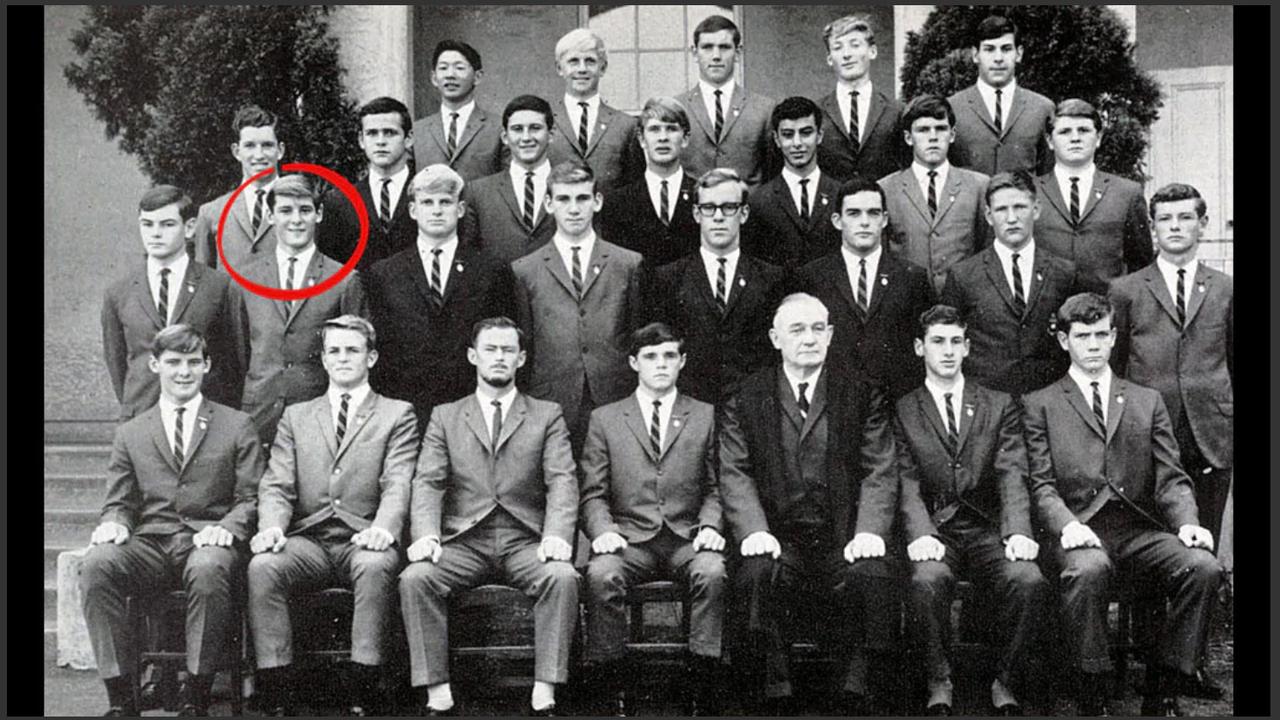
(251, 463)
(238, 324)
(1043, 485)
(114, 349)
(597, 515)
(430, 480)
(123, 501)
(983, 233)
(1011, 470)
(879, 488)
(278, 490)
(712, 512)
(1121, 319)
(742, 510)
(1138, 250)
(397, 474)
(206, 238)
(353, 297)
(560, 474)
(522, 301)
(915, 515)
(1173, 491)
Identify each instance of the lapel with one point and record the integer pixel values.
(555, 265)
(435, 130)
(142, 290)
(508, 194)
(782, 198)
(187, 288)
(322, 412)
(929, 409)
(417, 275)
(1076, 399)
(634, 420)
(979, 108)
(817, 404)
(1051, 188)
(693, 103)
(313, 275)
(821, 212)
(1039, 276)
(242, 210)
(461, 259)
(995, 273)
(885, 280)
(874, 110)
(953, 187)
(203, 418)
(1019, 102)
(515, 416)
(739, 284)
(474, 123)
(967, 414)
(695, 276)
(604, 118)
(832, 108)
(595, 265)
(734, 109)
(1197, 293)
(838, 272)
(474, 415)
(357, 422)
(787, 402)
(912, 192)
(1115, 406)
(161, 440)
(679, 418)
(1101, 183)
(1155, 285)
(568, 131)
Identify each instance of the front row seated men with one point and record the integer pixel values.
(180, 505)
(495, 498)
(331, 508)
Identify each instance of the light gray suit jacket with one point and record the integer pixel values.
(746, 142)
(1114, 233)
(935, 243)
(614, 154)
(480, 150)
(1020, 144)
(240, 244)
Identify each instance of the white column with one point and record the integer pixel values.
(1129, 14)
(375, 46)
(906, 18)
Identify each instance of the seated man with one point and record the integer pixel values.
(181, 490)
(495, 498)
(331, 508)
(652, 509)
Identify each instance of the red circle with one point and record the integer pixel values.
(266, 291)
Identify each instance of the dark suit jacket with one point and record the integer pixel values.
(240, 244)
(130, 321)
(461, 478)
(746, 142)
(628, 490)
(881, 150)
(614, 154)
(422, 351)
(1193, 367)
(861, 473)
(773, 231)
(880, 345)
(1021, 144)
(1076, 465)
(986, 473)
(480, 149)
(339, 232)
(494, 221)
(1114, 234)
(217, 483)
(935, 243)
(628, 220)
(720, 351)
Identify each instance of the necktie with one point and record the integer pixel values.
(342, 417)
(1181, 298)
(719, 117)
(582, 127)
(1019, 300)
(163, 305)
(258, 207)
(999, 118)
(1075, 200)
(933, 193)
(664, 209)
(862, 284)
(1097, 405)
(178, 452)
(384, 204)
(722, 299)
(528, 199)
(854, 142)
(655, 429)
(577, 271)
(952, 432)
(453, 134)
(437, 292)
(804, 201)
(803, 401)
(288, 280)
(497, 422)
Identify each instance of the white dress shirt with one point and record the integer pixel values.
(505, 400)
(709, 99)
(939, 181)
(574, 110)
(300, 267)
(177, 271)
(335, 402)
(1169, 272)
(645, 398)
(940, 400)
(673, 191)
(1084, 382)
(447, 251)
(397, 184)
(864, 103)
(795, 380)
(853, 267)
(792, 180)
(711, 263)
(168, 417)
(988, 94)
(564, 246)
(540, 175)
(464, 115)
(1085, 175)
(250, 196)
(1026, 261)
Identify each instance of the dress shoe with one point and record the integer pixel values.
(548, 711)
(1011, 710)
(428, 711)
(938, 709)
(357, 711)
(1157, 706)
(1201, 686)
(120, 711)
(192, 710)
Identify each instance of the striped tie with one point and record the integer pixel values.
(664, 204)
(437, 292)
(288, 282)
(163, 305)
(719, 117)
(577, 272)
(528, 199)
(1181, 298)
(803, 401)
(1019, 300)
(1075, 200)
(862, 285)
(722, 300)
(855, 143)
(384, 205)
(804, 201)
(655, 429)
(999, 118)
(583, 126)
(933, 193)
(178, 452)
(258, 207)
(342, 417)
(952, 432)
(1097, 405)
(497, 423)
(452, 140)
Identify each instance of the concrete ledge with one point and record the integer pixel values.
(74, 650)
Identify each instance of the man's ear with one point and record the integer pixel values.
(189, 228)
(153, 364)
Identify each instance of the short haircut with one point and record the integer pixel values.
(1173, 192)
(437, 178)
(1086, 307)
(570, 172)
(500, 322)
(665, 109)
(928, 106)
(939, 315)
(714, 24)
(163, 195)
(792, 299)
(254, 116)
(383, 105)
(847, 24)
(351, 322)
(295, 186)
(1074, 107)
(856, 184)
(655, 333)
(581, 40)
(179, 338)
(1016, 179)
(994, 26)
(795, 108)
(472, 56)
(719, 176)
(528, 102)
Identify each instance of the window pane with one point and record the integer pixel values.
(616, 25)
(618, 86)
(662, 73)
(662, 26)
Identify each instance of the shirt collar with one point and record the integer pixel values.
(1084, 382)
(873, 258)
(936, 390)
(397, 178)
(1065, 174)
(726, 90)
(844, 87)
(1028, 252)
(448, 247)
(358, 395)
(507, 397)
(178, 266)
(989, 91)
(304, 259)
(673, 182)
(540, 172)
(922, 173)
(792, 178)
(646, 398)
(192, 406)
(464, 112)
(711, 259)
(593, 102)
(794, 381)
(1169, 270)
(563, 245)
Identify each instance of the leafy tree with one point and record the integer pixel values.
(167, 81)
(1068, 51)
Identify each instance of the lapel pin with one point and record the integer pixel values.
(1097, 193)
(742, 282)
(458, 267)
(684, 196)
(191, 287)
(735, 113)
(595, 269)
(203, 425)
(951, 198)
(1039, 276)
(823, 199)
(675, 423)
(311, 281)
(884, 280)
(1120, 399)
(1199, 287)
(968, 410)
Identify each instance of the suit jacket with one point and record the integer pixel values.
(1114, 234)
(150, 493)
(480, 150)
(1076, 465)
(239, 242)
(881, 150)
(279, 348)
(746, 142)
(1021, 144)
(935, 243)
(130, 321)
(569, 340)
(493, 219)
(1193, 367)
(720, 350)
(773, 231)
(461, 477)
(861, 475)
(1007, 352)
(339, 233)
(422, 350)
(627, 489)
(364, 481)
(614, 154)
(881, 344)
(985, 473)
(628, 219)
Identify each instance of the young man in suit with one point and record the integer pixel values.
(874, 297)
(495, 495)
(720, 299)
(331, 510)
(1095, 219)
(277, 341)
(166, 289)
(248, 233)
(964, 504)
(862, 121)
(809, 489)
(505, 214)
(577, 299)
(386, 136)
(732, 124)
(791, 213)
(651, 508)
(999, 125)
(1009, 293)
(592, 132)
(424, 300)
(462, 135)
(937, 212)
(653, 216)
(181, 489)
(1107, 486)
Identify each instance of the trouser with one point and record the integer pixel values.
(1212, 483)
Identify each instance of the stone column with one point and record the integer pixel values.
(906, 18)
(376, 49)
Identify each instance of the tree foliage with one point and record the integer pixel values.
(167, 82)
(1068, 51)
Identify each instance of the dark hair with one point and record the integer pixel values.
(179, 338)
(928, 106)
(468, 52)
(528, 102)
(1074, 107)
(383, 105)
(162, 195)
(939, 315)
(351, 322)
(857, 184)
(1017, 179)
(254, 116)
(500, 322)
(655, 333)
(295, 185)
(1086, 307)
(995, 26)
(569, 172)
(795, 108)
(715, 24)
(1173, 192)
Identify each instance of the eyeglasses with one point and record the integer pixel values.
(709, 209)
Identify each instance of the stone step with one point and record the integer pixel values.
(64, 526)
(74, 491)
(65, 459)
(51, 553)
(79, 432)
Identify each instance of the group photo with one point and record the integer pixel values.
(648, 360)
